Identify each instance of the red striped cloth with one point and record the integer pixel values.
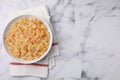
(34, 64)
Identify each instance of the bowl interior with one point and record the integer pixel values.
(18, 59)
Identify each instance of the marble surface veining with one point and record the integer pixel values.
(88, 32)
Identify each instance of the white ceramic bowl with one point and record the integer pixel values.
(18, 59)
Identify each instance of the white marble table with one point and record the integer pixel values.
(88, 33)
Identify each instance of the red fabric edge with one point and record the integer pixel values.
(34, 64)
(53, 44)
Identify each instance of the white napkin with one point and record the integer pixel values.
(39, 69)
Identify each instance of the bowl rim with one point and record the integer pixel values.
(7, 28)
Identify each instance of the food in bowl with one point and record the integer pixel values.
(27, 38)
